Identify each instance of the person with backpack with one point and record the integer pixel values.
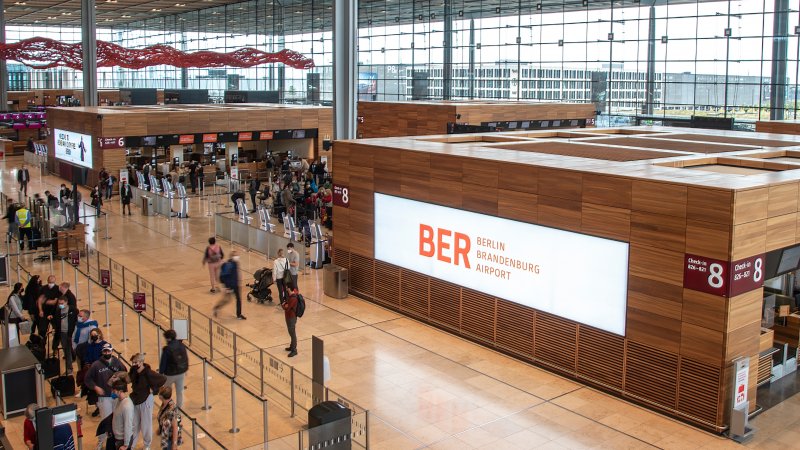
(213, 257)
(293, 307)
(229, 277)
(174, 364)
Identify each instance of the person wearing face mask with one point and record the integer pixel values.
(174, 363)
(63, 290)
(64, 322)
(229, 277)
(294, 261)
(124, 414)
(144, 383)
(64, 194)
(89, 352)
(46, 303)
(98, 380)
(83, 329)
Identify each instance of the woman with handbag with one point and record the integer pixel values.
(279, 270)
(13, 311)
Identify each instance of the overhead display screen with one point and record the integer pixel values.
(571, 275)
(74, 147)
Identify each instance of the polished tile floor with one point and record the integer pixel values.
(424, 388)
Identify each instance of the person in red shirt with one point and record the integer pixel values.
(290, 313)
(28, 429)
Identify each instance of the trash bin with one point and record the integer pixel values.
(147, 205)
(329, 426)
(335, 281)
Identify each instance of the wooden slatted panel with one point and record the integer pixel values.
(387, 283)
(341, 258)
(516, 322)
(601, 356)
(651, 374)
(445, 303)
(699, 390)
(555, 341)
(477, 314)
(414, 292)
(362, 275)
(764, 368)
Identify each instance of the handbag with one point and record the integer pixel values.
(287, 275)
(25, 327)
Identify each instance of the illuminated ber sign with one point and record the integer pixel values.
(438, 242)
(571, 275)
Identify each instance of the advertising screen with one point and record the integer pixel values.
(571, 275)
(74, 147)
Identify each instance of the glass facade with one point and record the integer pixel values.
(676, 58)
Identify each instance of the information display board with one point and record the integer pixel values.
(571, 275)
(74, 147)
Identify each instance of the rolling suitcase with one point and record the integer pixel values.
(51, 366)
(36, 238)
(63, 386)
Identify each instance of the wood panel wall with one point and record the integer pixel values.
(389, 119)
(677, 354)
(778, 126)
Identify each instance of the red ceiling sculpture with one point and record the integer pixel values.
(43, 53)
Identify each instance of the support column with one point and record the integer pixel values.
(3, 66)
(650, 87)
(780, 52)
(447, 66)
(471, 59)
(89, 44)
(345, 68)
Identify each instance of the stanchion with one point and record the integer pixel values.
(261, 370)
(76, 283)
(194, 433)
(106, 220)
(89, 294)
(62, 269)
(265, 413)
(205, 406)
(291, 391)
(141, 338)
(105, 301)
(235, 362)
(233, 408)
(50, 254)
(158, 344)
(124, 323)
(210, 337)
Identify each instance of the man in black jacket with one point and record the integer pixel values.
(64, 320)
(126, 194)
(174, 364)
(63, 288)
(23, 177)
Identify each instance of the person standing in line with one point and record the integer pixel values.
(83, 329)
(279, 267)
(23, 177)
(14, 310)
(24, 223)
(290, 314)
(229, 276)
(174, 364)
(126, 195)
(28, 427)
(46, 303)
(30, 301)
(213, 257)
(64, 322)
(63, 289)
(169, 420)
(124, 415)
(144, 382)
(294, 261)
(98, 379)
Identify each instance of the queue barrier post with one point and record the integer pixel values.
(261, 371)
(158, 343)
(291, 391)
(89, 294)
(105, 301)
(106, 220)
(210, 337)
(233, 407)
(265, 417)
(235, 359)
(76, 281)
(141, 337)
(124, 323)
(205, 406)
(194, 433)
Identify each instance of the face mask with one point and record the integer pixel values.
(236, 258)
(62, 306)
(114, 396)
(93, 338)
(107, 357)
(50, 285)
(81, 319)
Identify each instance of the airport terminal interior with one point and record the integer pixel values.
(555, 224)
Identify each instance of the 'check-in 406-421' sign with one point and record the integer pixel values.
(723, 278)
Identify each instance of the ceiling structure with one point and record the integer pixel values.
(287, 16)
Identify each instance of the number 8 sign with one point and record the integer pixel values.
(341, 195)
(723, 278)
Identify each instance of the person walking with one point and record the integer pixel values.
(290, 314)
(109, 185)
(229, 277)
(279, 268)
(24, 223)
(64, 322)
(174, 364)
(144, 382)
(126, 195)
(294, 261)
(23, 177)
(213, 257)
(98, 379)
(169, 420)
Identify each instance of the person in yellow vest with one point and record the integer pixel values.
(24, 223)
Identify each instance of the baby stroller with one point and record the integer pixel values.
(260, 287)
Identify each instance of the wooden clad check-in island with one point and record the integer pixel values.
(699, 212)
(417, 118)
(173, 123)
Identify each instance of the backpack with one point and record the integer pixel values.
(179, 360)
(300, 309)
(226, 273)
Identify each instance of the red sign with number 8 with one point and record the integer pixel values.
(723, 278)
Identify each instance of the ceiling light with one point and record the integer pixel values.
(111, 1)
(20, 3)
(125, 16)
(179, 5)
(155, 10)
